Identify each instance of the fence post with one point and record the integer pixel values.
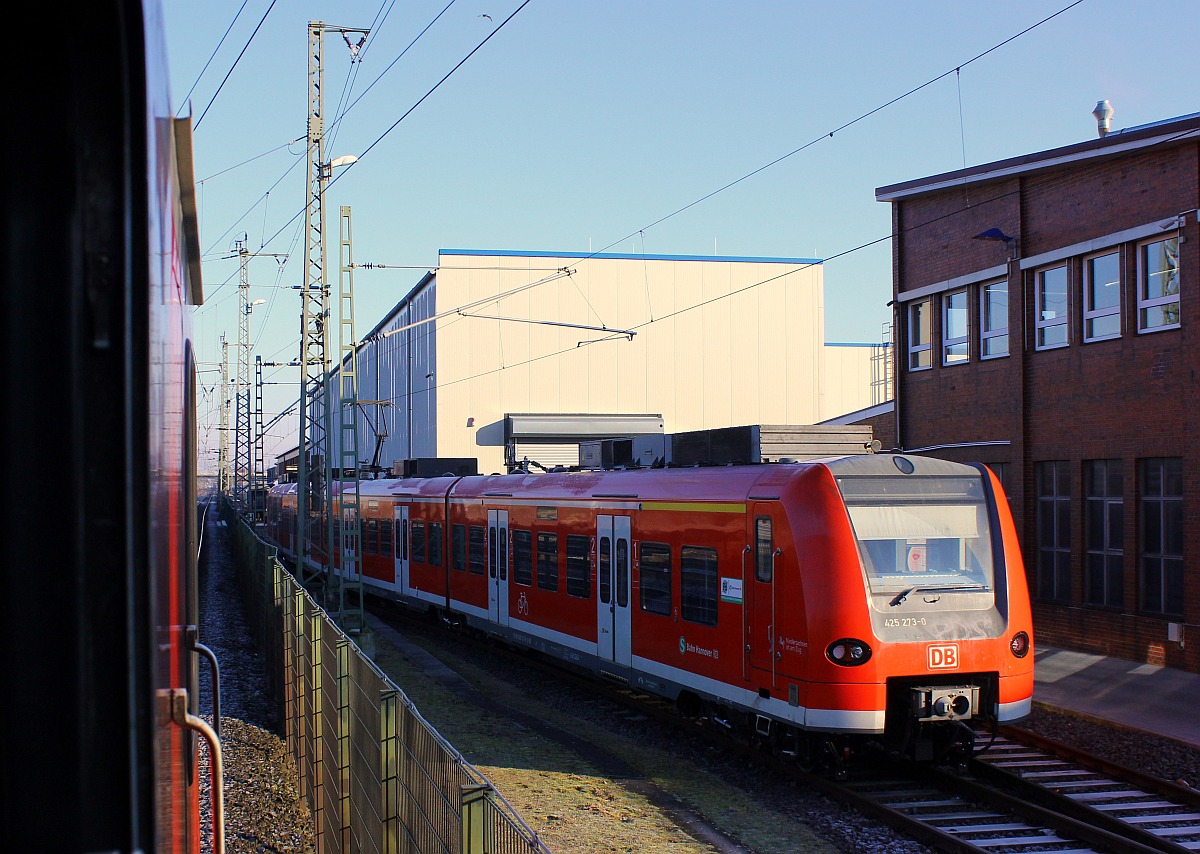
(389, 772)
(476, 800)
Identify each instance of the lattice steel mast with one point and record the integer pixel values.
(241, 453)
(259, 477)
(223, 480)
(315, 487)
(350, 586)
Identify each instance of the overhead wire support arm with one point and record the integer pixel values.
(627, 333)
(560, 273)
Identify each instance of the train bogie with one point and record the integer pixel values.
(870, 597)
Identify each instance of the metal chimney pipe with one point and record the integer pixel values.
(1103, 114)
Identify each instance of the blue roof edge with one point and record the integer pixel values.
(628, 256)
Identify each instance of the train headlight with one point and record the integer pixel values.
(848, 652)
(1019, 644)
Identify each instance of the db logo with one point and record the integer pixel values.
(943, 657)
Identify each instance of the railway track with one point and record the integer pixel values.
(1017, 796)
(1159, 814)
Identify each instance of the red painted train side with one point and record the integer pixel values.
(102, 270)
(864, 596)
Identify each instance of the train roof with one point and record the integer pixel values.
(709, 483)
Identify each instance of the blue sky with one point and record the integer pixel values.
(583, 123)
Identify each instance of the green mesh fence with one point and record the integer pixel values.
(376, 775)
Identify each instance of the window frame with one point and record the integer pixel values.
(1041, 325)
(699, 585)
(547, 561)
(964, 340)
(1104, 516)
(434, 543)
(522, 559)
(579, 557)
(477, 549)
(387, 529)
(1091, 314)
(416, 546)
(1164, 501)
(985, 317)
(1147, 303)
(655, 580)
(370, 535)
(923, 350)
(1053, 552)
(764, 548)
(458, 547)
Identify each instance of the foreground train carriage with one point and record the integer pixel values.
(874, 595)
(102, 265)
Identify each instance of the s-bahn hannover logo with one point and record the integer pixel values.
(943, 656)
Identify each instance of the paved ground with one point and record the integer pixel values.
(1160, 700)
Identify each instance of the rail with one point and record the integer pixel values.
(376, 775)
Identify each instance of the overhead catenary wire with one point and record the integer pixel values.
(235, 65)
(393, 126)
(933, 221)
(187, 98)
(829, 135)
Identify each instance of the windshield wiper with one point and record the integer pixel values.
(949, 588)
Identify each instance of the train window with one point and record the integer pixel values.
(579, 566)
(622, 573)
(478, 549)
(371, 536)
(385, 537)
(547, 561)
(458, 547)
(655, 562)
(523, 557)
(927, 534)
(764, 567)
(435, 543)
(605, 570)
(495, 558)
(503, 554)
(418, 542)
(698, 585)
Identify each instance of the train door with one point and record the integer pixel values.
(760, 611)
(498, 566)
(400, 531)
(613, 618)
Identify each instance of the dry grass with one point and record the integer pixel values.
(564, 798)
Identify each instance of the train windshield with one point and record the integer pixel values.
(921, 536)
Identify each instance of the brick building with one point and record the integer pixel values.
(1046, 318)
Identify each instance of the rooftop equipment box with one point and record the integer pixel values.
(436, 467)
(761, 443)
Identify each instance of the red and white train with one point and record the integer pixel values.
(875, 595)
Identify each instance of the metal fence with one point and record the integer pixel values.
(376, 775)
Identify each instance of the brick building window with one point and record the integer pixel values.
(1054, 531)
(1104, 533)
(920, 335)
(1102, 296)
(1161, 524)
(1158, 285)
(993, 319)
(956, 330)
(1051, 302)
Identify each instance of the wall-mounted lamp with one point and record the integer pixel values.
(996, 234)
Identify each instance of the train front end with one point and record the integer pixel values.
(945, 638)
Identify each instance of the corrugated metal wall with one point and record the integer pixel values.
(719, 342)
